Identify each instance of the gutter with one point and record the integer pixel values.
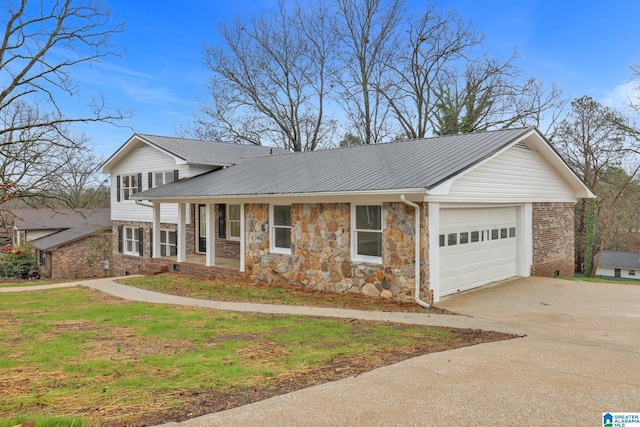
(416, 239)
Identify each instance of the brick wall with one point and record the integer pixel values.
(553, 239)
(81, 259)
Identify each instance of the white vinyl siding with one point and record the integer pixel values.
(143, 160)
(624, 272)
(517, 175)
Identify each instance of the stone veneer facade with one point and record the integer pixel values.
(321, 250)
(553, 239)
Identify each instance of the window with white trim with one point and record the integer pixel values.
(168, 243)
(162, 178)
(129, 186)
(233, 222)
(367, 233)
(131, 240)
(280, 230)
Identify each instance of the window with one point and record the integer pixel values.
(632, 272)
(168, 243)
(504, 233)
(129, 186)
(441, 240)
(464, 238)
(162, 178)
(494, 234)
(281, 229)
(42, 259)
(367, 233)
(233, 222)
(512, 232)
(131, 240)
(475, 236)
(452, 239)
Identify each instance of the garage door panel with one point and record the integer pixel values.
(466, 264)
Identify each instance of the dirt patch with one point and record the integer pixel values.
(197, 403)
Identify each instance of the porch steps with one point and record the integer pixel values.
(152, 269)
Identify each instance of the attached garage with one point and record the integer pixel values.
(477, 246)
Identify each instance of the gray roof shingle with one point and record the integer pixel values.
(50, 219)
(55, 240)
(620, 259)
(410, 164)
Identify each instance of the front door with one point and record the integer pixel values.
(202, 228)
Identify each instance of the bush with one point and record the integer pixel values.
(18, 262)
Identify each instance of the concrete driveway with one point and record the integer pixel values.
(581, 357)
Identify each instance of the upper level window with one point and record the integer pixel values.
(129, 186)
(162, 178)
(233, 222)
(367, 233)
(280, 229)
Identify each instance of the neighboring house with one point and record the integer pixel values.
(69, 243)
(84, 251)
(619, 264)
(31, 224)
(484, 207)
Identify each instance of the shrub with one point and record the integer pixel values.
(18, 262)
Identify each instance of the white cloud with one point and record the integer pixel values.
(620, 96)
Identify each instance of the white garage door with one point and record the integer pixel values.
(477, 246)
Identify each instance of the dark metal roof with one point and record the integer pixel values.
(620, 259)
(51, 219)
(410, 164)
(61, 238)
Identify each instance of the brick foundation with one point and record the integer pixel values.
(553, 239)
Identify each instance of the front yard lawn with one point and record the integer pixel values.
(95, 359)
(268, 293)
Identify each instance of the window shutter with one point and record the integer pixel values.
(151, 242)
(139, 182)
(141, 237)
(222, 221)
(176, 174)
(119, 238)
(150, 179)
(118, 188)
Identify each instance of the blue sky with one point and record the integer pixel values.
(585, 46)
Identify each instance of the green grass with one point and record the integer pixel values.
(267, 293)
(602, 280)
(72, 352)
(13, 284)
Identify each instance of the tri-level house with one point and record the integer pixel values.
(416, 219)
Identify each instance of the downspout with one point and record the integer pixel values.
(416, 240)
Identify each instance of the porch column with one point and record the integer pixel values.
(242, 237)
(211, 235)
(155, 238)
(182, 233)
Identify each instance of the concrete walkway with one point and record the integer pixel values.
(111, 287)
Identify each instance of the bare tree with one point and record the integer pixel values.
(595, 141)
(270, 80)
(42, 43)
(368, 30)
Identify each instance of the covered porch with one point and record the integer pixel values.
(196, 245)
